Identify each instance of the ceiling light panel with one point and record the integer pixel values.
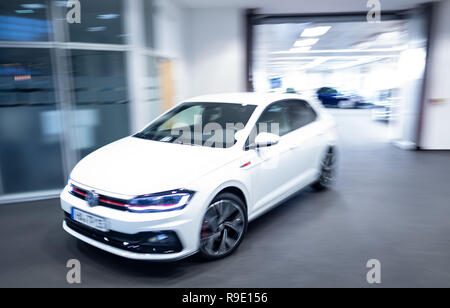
(315, 31)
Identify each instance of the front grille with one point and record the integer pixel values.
(115, 203)
(138, 242)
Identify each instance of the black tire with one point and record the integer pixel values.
(327, 175)
(220, 236)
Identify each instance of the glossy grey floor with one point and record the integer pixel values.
(388, 204)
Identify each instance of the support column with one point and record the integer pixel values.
(136, 61)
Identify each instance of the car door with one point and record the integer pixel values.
(271, 171)
(307, 141)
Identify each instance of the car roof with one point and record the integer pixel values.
(246, 98)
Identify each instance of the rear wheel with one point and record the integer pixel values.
(223, 228)
(328, 171)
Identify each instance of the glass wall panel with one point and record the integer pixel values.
(101, 22)
(148, 20)
(101, 96)
(22, 20)
(33, 156)
(30, 126)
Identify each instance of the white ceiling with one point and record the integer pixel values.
(342, 35)
(273, 42)
(302, 6)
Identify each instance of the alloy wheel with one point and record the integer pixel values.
(222, 229)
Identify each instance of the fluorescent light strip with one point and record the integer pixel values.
(96, 29)
(357, 63)
(402, 48)
(315, 63)
(108, 16)
(300, 49)
(24, 11)
(33, 6)
(322, 60)
(331, 57)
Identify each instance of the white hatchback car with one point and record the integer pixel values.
(193, 179)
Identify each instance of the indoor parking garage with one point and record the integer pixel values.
(336, 176)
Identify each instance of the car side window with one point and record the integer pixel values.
(275, 119)
(301, 114)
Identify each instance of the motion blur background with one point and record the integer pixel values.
(68, 89)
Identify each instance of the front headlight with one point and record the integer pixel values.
(161, 202)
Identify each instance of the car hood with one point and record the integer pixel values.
(134, 166)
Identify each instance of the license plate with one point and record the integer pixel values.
(90, 220)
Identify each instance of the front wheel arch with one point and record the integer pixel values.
(235, 191)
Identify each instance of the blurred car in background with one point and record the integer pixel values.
(332, 98)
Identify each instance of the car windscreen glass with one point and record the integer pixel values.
(204, 124)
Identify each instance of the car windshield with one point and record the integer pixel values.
(203, 124)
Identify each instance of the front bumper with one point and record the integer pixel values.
(128, 230)
(164, 242)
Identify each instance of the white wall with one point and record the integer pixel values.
(215, 44)
(169, 21)
(436, 120)
(207, 46)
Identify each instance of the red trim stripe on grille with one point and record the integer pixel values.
(112, 202)
(101, 199)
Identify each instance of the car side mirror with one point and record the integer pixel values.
(264, 140)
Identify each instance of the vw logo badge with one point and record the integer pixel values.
(92, 198)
